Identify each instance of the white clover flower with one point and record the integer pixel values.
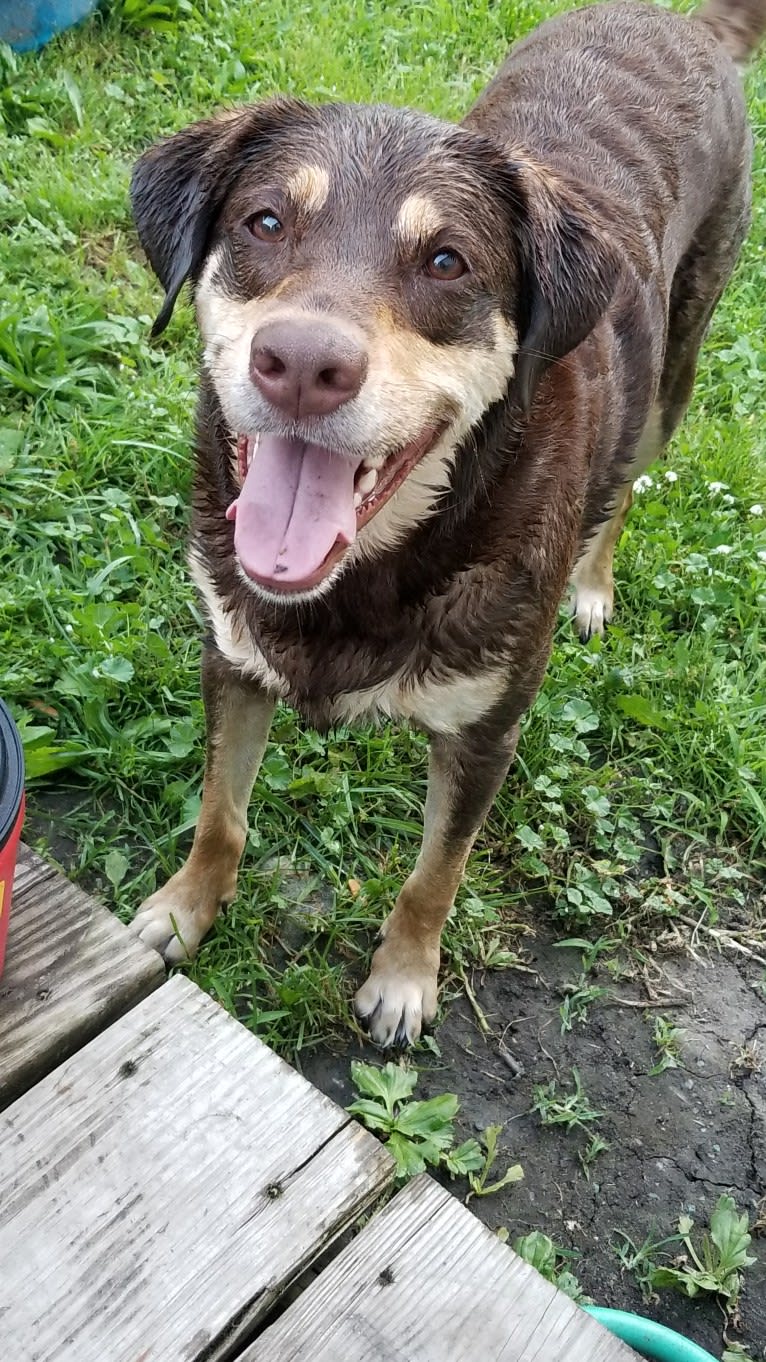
(756, 509)
(728, 499)
(723, 549)
(761, 555)
(718, 486)
(670, 476)
(642, 483)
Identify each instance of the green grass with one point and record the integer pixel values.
(639, 795)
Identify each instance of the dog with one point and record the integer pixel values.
(435, 358)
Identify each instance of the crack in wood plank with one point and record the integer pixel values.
(425, 1281)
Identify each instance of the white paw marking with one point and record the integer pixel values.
(394, 1004)
(592, 608)
(167, 927)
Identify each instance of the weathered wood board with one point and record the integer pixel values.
(425, 1281)
(70, 969)
(161, 1188)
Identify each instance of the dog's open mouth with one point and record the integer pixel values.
(301, 506)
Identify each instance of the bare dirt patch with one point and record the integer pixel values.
(678, 1139)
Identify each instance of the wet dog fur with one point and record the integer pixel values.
(595, 199)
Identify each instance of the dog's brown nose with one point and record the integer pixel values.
(306, 369)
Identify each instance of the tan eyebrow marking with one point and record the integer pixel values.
(309, 186)
(417, 221)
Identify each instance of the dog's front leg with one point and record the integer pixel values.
(464, 775)
(238, 716)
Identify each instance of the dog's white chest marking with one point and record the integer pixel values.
(443, 705)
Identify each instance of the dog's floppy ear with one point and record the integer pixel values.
(568, 269)
(179, 186)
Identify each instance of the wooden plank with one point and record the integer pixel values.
(71, 968)
(160, 1189)
(31, 870)
(425, 1281)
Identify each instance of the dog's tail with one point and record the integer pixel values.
(738, 25)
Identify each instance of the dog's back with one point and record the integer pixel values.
(645, 109)
(639, 102)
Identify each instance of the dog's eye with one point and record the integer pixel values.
(445, 264)
(266, 226)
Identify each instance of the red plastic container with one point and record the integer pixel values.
(11, 815)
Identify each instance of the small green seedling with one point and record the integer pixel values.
(579, 997)
(478, 1179)
(416, 1133)
(717, 1264)
(641, 1259)
(587, 1156)
(550, 1260)
(667, 1039)
(420, 1133)
(571, 1109)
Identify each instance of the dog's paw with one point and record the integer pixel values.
(592, 608)
(398, 997)
(170, 925)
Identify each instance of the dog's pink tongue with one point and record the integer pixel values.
(297, 501)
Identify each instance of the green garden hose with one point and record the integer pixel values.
(652, 1341)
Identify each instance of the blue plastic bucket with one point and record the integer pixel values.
(29, 24)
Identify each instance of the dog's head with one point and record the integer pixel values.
(368, 282)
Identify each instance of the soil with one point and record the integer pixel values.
(677, 1139)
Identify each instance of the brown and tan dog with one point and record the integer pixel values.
(396, 472)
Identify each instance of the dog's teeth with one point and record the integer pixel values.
(357, 500)
(367, 481)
